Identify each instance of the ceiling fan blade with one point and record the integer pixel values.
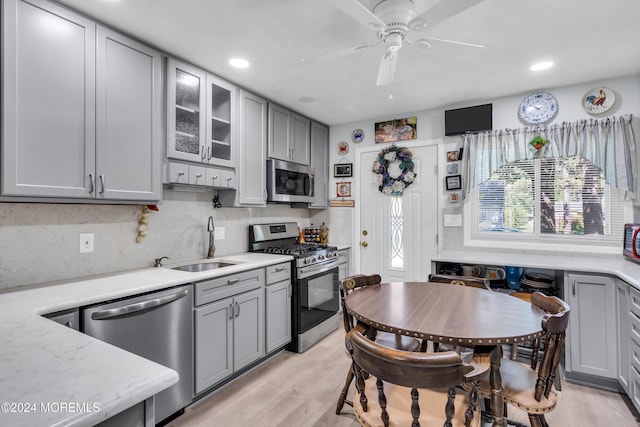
(361, 14)
(443, 10)
(387, 68)
(338, 53)
(419, 44)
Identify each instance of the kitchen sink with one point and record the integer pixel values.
(203, 266)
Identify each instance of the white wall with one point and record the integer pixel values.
(430, 125)
(39, 241)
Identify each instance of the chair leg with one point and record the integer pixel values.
(535, 420)
(343, 394)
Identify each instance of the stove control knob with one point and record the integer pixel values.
(321, 257)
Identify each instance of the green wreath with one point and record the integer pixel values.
(394, 170)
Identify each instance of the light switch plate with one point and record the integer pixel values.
(86, 243)
(453, 220)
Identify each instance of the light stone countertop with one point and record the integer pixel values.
(44, 363)
(614, 265)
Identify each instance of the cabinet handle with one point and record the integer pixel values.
(69, 324)
(203, 153)
(208, 153)
(264, 195)
(230, 311)
(232, 281)
(279, 269)
(573, 287)
(101, 184)
(289, 290)
(91, 184)
(237, 309)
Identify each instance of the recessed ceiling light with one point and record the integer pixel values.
(541, 66)
(239, 63)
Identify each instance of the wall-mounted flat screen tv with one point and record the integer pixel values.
(469, 119)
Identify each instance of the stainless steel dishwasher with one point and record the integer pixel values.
(157, 326)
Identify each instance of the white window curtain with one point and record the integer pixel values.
(608, 143)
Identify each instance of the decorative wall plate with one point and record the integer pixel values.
(598, 100)
(357, 135)
(343, 148)
(538, 108)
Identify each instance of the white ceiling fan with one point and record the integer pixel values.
(392, 21)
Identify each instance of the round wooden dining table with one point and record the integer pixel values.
(459, 315)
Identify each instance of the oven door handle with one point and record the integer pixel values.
(312, 270)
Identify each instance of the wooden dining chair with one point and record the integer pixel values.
(401, 342)
(530, 387)
(475, 282)
(412, 388)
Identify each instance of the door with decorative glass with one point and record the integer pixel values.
(397, 235)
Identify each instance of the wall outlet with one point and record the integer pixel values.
(453, 220)
(86, 243)
(219, 234)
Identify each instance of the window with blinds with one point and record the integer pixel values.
(549, 198)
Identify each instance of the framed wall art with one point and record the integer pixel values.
(453, 182)
(396, 130)
(343, 189)
(343, 170)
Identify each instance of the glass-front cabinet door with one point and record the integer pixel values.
(186, 112)
(201, 114)
(221, 97)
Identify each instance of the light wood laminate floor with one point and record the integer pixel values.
(302, 390)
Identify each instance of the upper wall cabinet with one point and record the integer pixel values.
(252, 188)
(320, 163)
(200, 117)
(81, 112)
(289, 135)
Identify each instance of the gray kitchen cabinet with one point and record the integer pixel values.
(48, 136)
(591, 346)
(320, 164)
(229, 326)
(128, 119)
(186, 94)
(289, 135)
(278, 306)
(81, 113)
(343, 263)
(252, 186)
(634, 346)
(623, 324)
(201, 114)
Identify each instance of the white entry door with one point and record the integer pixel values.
(397, 235)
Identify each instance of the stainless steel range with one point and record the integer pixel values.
(315, 299)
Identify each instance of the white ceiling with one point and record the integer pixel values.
(587, 39)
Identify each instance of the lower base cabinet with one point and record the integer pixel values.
(591, 345)
(229, 326)
(278, 306)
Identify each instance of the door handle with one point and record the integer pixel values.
(138, 306)
(364, 244)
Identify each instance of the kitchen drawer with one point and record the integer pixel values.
(227, 286)
(634, 326)
(635, 355)
(343, 256)
(634, 301)
(278, 273)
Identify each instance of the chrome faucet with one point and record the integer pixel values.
(211, 229)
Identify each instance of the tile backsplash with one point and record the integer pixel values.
(39, 242)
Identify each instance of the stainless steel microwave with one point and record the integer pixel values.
(289, 182)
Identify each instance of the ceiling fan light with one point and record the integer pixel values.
(422, 44)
